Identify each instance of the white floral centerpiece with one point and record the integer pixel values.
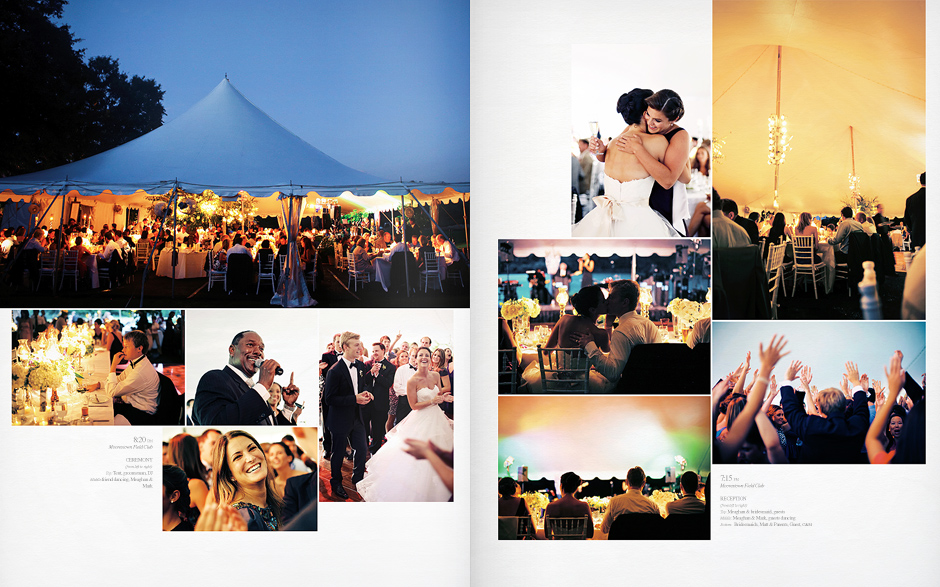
(661, 498)
(519, 312)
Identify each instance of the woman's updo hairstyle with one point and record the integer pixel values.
(632, 105)
(667, 102)
(587, 298)
(174, 479)
(507, 486)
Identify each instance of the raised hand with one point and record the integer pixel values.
(864, 381)
(806, 376)
(772, 354)
(876, 384)
(879, 400)
(844, 385)
(793, 369)
(720, 390)
(895, 375)
(851, 372)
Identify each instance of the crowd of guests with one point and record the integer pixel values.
(390, 364)
(367, 245)
(634, 500)
(231, 482)
(860, 420)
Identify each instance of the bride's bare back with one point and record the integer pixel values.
(624, 166)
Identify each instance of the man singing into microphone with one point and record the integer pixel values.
(231, 395)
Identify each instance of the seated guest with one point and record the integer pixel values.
(805, 227)
(730, 209)
(511, 502)
(136, 391)
(363, 258)
(83, 254)
(36, 241)
(568, 506)
(841, 239)
(725, 232)
(230, 395)
(264, 253)
(862, 219)
(424, 242)
(446, 247)
(701, 333)
(590, 303)
(689, 503)
(836, 435)
(631, 502)
(633, 330)
(396, 247)
(237, 247)
(777, 229)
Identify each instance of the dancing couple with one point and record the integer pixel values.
(646, 168)
(393, 473)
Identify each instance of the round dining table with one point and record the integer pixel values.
(191, 264)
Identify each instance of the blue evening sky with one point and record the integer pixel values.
(824, 346)
(383, 87)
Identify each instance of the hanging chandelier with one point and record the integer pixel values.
(779, 140)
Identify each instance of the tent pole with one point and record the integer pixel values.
(466, 233)
(176, 193)
(407, 279)
(777, 113)
(153, 250)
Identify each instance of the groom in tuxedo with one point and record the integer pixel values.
(346, 394)
(379, 378)
(231, 395)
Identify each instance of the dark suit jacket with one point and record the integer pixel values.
(750, 226)
(330, 360)
(836, 439)
(915, 217)
(222, 398)
(379, 385)
(299, 492)
(338, 393)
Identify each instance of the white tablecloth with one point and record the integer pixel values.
(897, 238)
(191, 264)
(383, 271)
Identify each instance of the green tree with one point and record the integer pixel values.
(56, 108)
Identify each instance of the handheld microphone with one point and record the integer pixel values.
(277, 371)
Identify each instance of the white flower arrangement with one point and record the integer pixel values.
(44, 376)
(19, 375)
(680, 460)
(515, 308)
(507, 464)
(688, 310)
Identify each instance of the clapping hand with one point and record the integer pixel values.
(220, 518)
(364, 398)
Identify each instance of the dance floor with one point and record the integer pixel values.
(325, 471)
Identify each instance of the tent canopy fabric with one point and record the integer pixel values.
(843, 64)
(224, 143)
(601, 247)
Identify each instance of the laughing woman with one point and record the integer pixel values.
(242, 479)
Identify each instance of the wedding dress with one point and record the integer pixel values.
(624, 211)
(394, 475)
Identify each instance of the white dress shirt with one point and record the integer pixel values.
(402, 375)
(353, 373)
(396, 247)
(238, 250)
(138, 385)
(632, 331)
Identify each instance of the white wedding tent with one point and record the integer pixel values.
(852, 86)
(225, 144)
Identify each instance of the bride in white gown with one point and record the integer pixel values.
(624, 210)
(391, 473)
